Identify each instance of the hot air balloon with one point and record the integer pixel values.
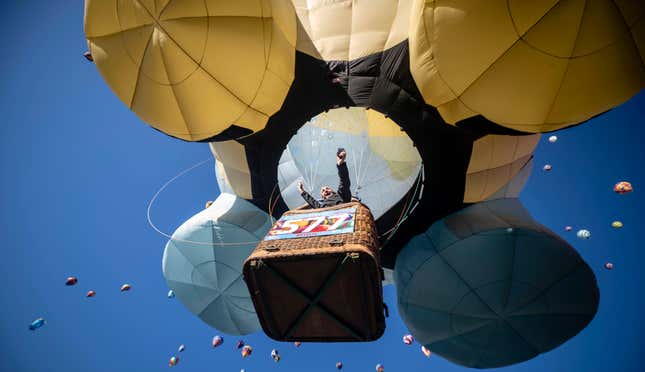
(623, 187)
(609, 266)
(339, 365)
(72, 280)
(568, 228)
(426, 351)
(90, 294)
(202, 263)
(553, 139)
(39, 322)
(239, 344)
(297, 343)
(275, 355)
(246, 351)
(126, 287)
(546, 167)
(181, 348)
(616, 224)
(476, 261)
(217, 341)
(379, 368)
(435, 126)
(408, 339)
(528, 77)
(171, 294)
(177, 57)
(173, 361)
(583, 234)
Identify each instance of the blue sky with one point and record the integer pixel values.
(78, 169)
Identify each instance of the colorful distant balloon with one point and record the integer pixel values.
(553, 139)
(380, 368)
(297, 344)
(408, 339)
(173, 361)
(171, 294)
(72, 280)
(568, 228)
(425, 351)
(546, 167)
(36, 324)
(126, 287)
(90, 294)
(609, 266)
(584, 234)
(339, 365)
(182, 348)
(247, 350)
(217, 341)
(240, 344)
(616, 224)
(623, 187)
(275, 355)
(88, 56)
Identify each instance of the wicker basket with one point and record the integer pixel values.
(320, 288)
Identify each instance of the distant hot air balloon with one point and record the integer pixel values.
(36, 324)
(72, 280)
(546, 167)
(380, 368)
(88, 56)
(246, 351)
(584, 234)
(623, 187)
(609, 266)
(568, 228)
(90, 294)
(240, 344)
(173, 361)
(297, 343)
(182, 348)
(616, 224)
(408, 339)
(217, 341)
(126, 287)
(275, 355)
(339, 365)
(425, 351)
(553, 139)
(171, 294)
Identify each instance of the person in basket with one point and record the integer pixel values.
(329, 197)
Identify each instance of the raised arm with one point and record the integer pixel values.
(343, 174)
(313, 203)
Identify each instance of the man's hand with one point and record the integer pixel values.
(340, 157)
(301, 187)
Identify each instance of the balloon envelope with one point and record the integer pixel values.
(489, 287)
(202, 263)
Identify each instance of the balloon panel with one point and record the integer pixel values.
(382, 160)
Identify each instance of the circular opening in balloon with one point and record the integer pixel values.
(382, 160)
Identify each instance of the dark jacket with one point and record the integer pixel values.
(343, 195)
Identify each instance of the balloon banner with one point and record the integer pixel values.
(340, 221)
